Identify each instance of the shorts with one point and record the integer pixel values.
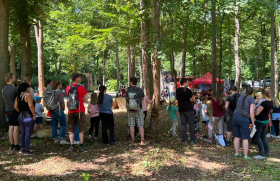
(241, 127)
(12, 118)
(229, 123)
(74, 119)
(39, 120)
(135, 115)
(205, 122)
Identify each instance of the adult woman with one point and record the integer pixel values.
(29, 81)
(244, 108)
(276, 116)
(262, 120)
(105, 103)
(217, 104)
(25, 105)
(58, 114)
(145, 103)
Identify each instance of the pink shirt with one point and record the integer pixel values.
(144, 103)
(93, 110)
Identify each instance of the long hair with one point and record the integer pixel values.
(22, 88)
(266, 92)
(219, 96)
(101, 94)
(249, 91)
(55, 84)
(93, 99)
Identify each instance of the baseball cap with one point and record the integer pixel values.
(37, 98)
(76, 75)
(234, 88)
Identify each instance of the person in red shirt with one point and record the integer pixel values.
(77, 116)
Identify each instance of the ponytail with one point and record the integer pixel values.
(100, 97)
(249, 91)
(22, 88)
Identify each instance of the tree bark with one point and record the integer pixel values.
(4, 52)
(104, 65)
(273, 83)
(214, 48)
(221, 53)
(155, 4)
(257, 68)
(118, 66)
(184, 54)
(141, 71)
(229, 58)
(38, 28)
(133, 61)
(129, 62)
(263, 53)
(146, 55)
(236, 50)
(13, 56)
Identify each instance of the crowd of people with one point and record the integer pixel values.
(235, 115)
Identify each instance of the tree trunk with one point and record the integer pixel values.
(133, 61)
(13, 57)
(229, 58)
(184, 53)
(214, 48)
(172, 59)
(95, 78)
(104, 65)
(263, 53)
(273, 83)
(59, 69)
(221, 53)
(38, 28)
(118, 66)
(257, 68)
(141, 71)
(4, 52)
(155, 4)
(129, 62)
(146, 54)
(236, 51)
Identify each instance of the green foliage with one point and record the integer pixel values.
(112, 85)
(85, 176)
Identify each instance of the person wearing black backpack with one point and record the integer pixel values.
(230, 107)
(77, 95)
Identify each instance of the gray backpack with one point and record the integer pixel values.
(49, 100)
(132, 100)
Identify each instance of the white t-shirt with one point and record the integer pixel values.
(196, 106)
(38, 110)
(205, 117)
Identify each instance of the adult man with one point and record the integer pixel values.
(230, 108)
(137, 115)
(9, 94)
(78, 115)
(185, 99)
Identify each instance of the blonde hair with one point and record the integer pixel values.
(275, 102)
(8, 76)
(266, 92)
(258, 94)
(93, 99)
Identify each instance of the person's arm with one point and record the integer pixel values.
(29, 100)
(252, 106)
(16, 105)
(200, 106)
(89, 108)
(259, 110)
(61, 99)
(226, 106)
(42, 108)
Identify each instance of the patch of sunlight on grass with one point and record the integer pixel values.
(277, 160)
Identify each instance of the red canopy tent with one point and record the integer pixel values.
(206, 79)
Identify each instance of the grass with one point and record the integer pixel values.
(165, 158)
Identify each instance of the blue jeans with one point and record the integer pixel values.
(261, 138)
(76, 133)
(61, 119)
(187, 117)
(26, 126)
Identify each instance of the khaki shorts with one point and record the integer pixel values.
(73, 119)
(135, 115)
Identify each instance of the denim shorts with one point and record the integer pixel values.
(241, 127)
(39, 120)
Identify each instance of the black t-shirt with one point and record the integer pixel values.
(267, 106)
(183, 96)
(231, 101)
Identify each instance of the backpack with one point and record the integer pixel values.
(49, 100)
(234, 101)
(72, 99)
(132, 102)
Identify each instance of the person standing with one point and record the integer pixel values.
(29, 81)
(78, 115)
(9, 93)
(253, 82)
(186, 110)
(276, 116)
(135, 95)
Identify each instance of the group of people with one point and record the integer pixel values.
(235, 116)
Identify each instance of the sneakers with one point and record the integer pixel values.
(185, 142)
(22, 150)
(205, 137)
(11, 148)
(82, 149)
(76, 142)
(28, 153)
(16, 148)
(56, 141)
(247, 158)
(95, 138)
(277, 137)
(259, 157)
(132, 142)
(63, 142)
(72, 149)
(238, 155)
(192, 142)
(208, 140)
(268, 135)
(144, 142)
(113, 143)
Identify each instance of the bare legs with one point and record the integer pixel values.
(245, 145)
(14, 135)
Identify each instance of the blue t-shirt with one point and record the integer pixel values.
(248, 102)
(38, 110)
(106, 106)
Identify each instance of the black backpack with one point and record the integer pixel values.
(234, 101)
(72, 100)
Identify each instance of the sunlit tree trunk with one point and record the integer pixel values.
(129, 62)
(236, 50)
(229, 58)
(118, 66)
(13, 56)
(141, 71)
(104, 65)
(133, 61)
(273, 83)
(214, 48)
(4, 52)
(38, 28)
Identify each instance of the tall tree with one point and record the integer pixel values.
(4, 52)
(13, 56)
(118, 66)
(236, 49)
(214, 48)
(133, 61)
(157, 61)
(129, 63)
(273, 83)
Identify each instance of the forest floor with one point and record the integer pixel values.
(164, 158)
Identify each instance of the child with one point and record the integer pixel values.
(258, 99)
(173, 117)
(93, 111)
(39, 109)
(205, 115)
(197, 107)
